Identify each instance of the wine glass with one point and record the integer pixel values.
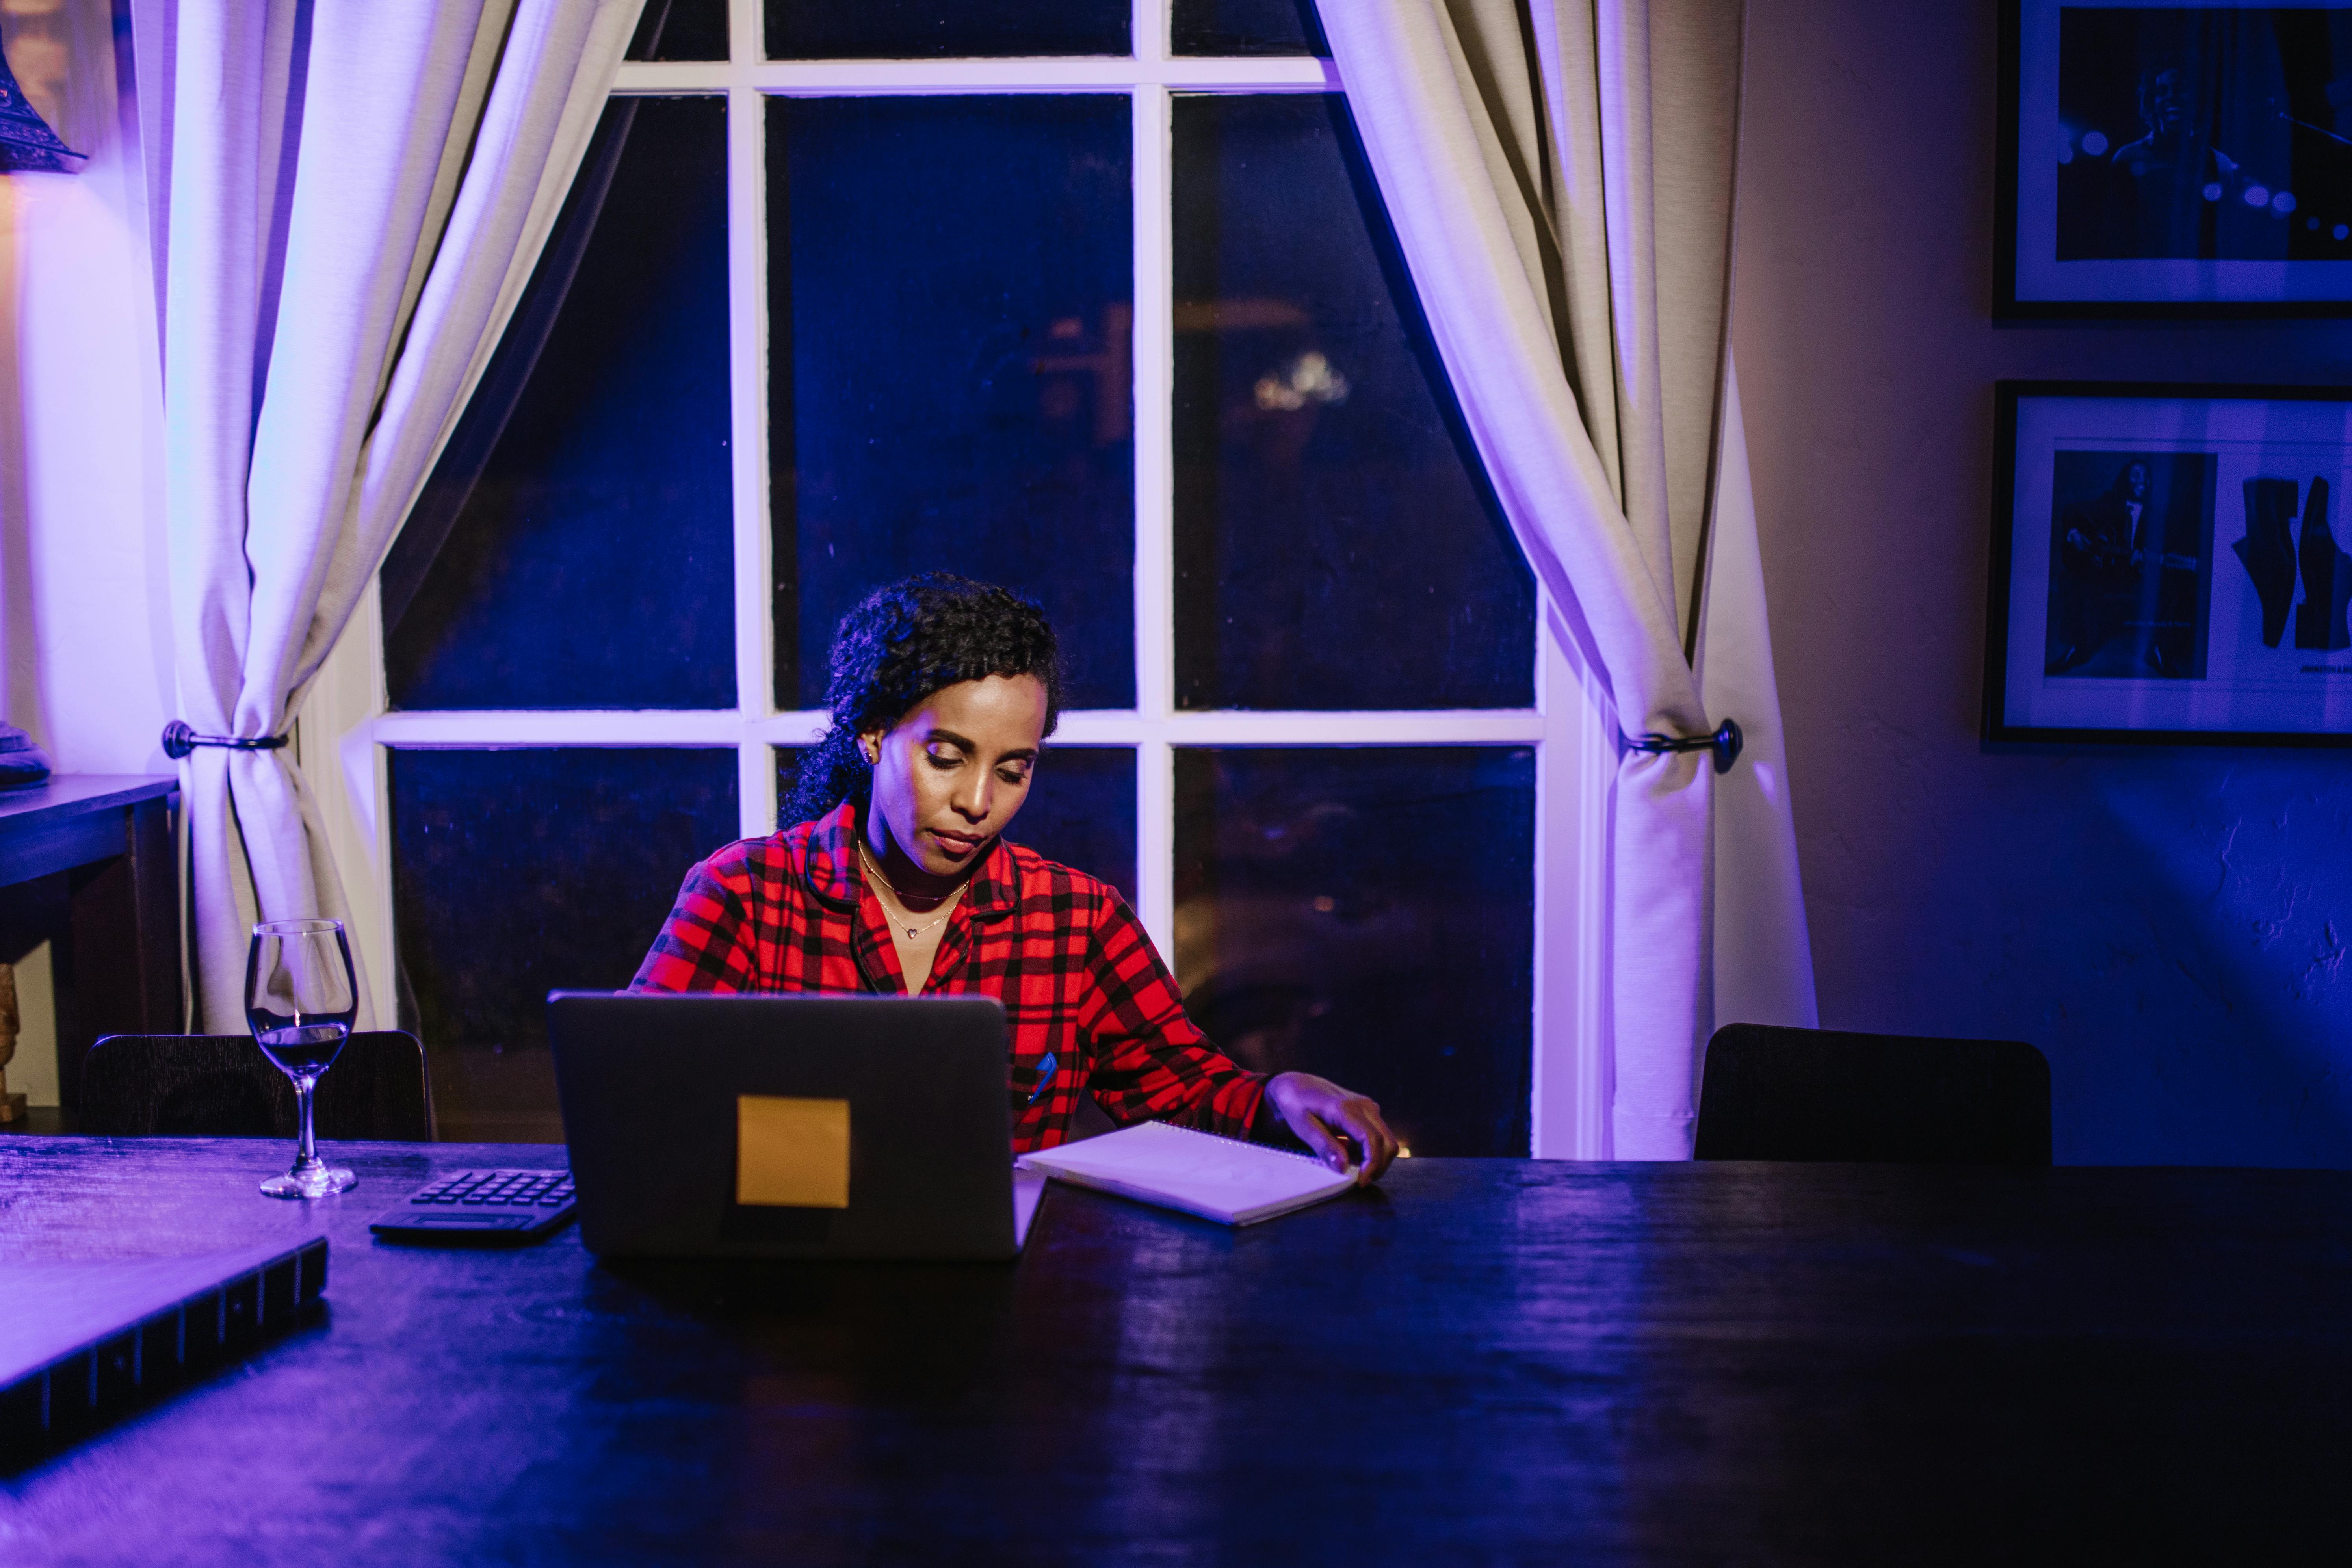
(301, 999)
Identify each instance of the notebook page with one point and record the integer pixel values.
(1219, 1178)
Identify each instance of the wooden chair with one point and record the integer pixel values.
(221, 1085)
(1772, 1093)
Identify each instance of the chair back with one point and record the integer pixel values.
(221, 1085)
(1772, 1093)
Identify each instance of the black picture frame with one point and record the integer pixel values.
(2155, 627)
(2090, 233)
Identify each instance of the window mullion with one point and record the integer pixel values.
(747, 310)
(1150, 32)
(1155, 501)
(867, 78)
(747, 286)
(1573, 1081)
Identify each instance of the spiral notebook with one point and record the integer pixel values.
(1223, 1179)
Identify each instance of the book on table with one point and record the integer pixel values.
(1202, 1174)
(85, 1339)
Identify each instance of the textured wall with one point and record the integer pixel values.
(2170, 925)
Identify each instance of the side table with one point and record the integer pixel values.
(87, 865)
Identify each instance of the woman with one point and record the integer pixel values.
(895, 878)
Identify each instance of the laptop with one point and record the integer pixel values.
(790, 1126)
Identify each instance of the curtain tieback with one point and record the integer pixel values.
(179, 740)
(1725, 743)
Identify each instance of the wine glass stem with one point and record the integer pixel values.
(306, 1151)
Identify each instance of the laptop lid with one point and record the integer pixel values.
(787, 1126)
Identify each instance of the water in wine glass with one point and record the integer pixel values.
(301, 999)
(301, 1050)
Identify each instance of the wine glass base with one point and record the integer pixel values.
(312, 1184)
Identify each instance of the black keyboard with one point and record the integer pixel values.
(488, 1205)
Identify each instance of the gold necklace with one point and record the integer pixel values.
(876, 872)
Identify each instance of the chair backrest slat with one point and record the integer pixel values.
(1771, 1093)
(221, 1085)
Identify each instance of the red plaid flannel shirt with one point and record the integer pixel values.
(1088, 1006)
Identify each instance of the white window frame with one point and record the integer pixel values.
(345, 732)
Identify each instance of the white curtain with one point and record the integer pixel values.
(1559, 174)
(346, 199)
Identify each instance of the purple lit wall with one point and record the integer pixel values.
(2168, 925)
(85, 623)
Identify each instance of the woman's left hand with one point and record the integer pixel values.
(1322, 1114)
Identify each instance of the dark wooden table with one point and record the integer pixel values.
(1485, 1362)
(86, 864)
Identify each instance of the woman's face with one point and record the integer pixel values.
(949, 776)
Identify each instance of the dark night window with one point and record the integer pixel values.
(1247, 27)
(518, 872)
(929, 30)
(950, 320)
(680, 31)
(1364, 913)
(1336, 545)
(596, 444)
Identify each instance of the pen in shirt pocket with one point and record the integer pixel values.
(1045, 1069)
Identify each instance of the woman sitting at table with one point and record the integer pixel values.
(895, 878)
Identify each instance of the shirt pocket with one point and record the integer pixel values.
(1032, 1080)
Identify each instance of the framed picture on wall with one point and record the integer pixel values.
(2168, 565)
(2169, 160)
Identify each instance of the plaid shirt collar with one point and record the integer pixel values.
(832, 871)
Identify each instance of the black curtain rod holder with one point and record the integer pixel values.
(1725, 743)
(179, 740)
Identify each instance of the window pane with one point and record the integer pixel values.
(1080, 811)
(574, 548)
(1247, 27)
(520, 872)
(680, 31)
(948, 284)
(1335, 543)
(1368, 914)
(919, 29)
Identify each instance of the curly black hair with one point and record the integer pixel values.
(901, 644)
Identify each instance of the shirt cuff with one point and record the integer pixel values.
(1266, 1125)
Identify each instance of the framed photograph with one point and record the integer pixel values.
(2170, 160)
(2168, 565)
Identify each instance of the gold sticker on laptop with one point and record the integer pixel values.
(792, 1153)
